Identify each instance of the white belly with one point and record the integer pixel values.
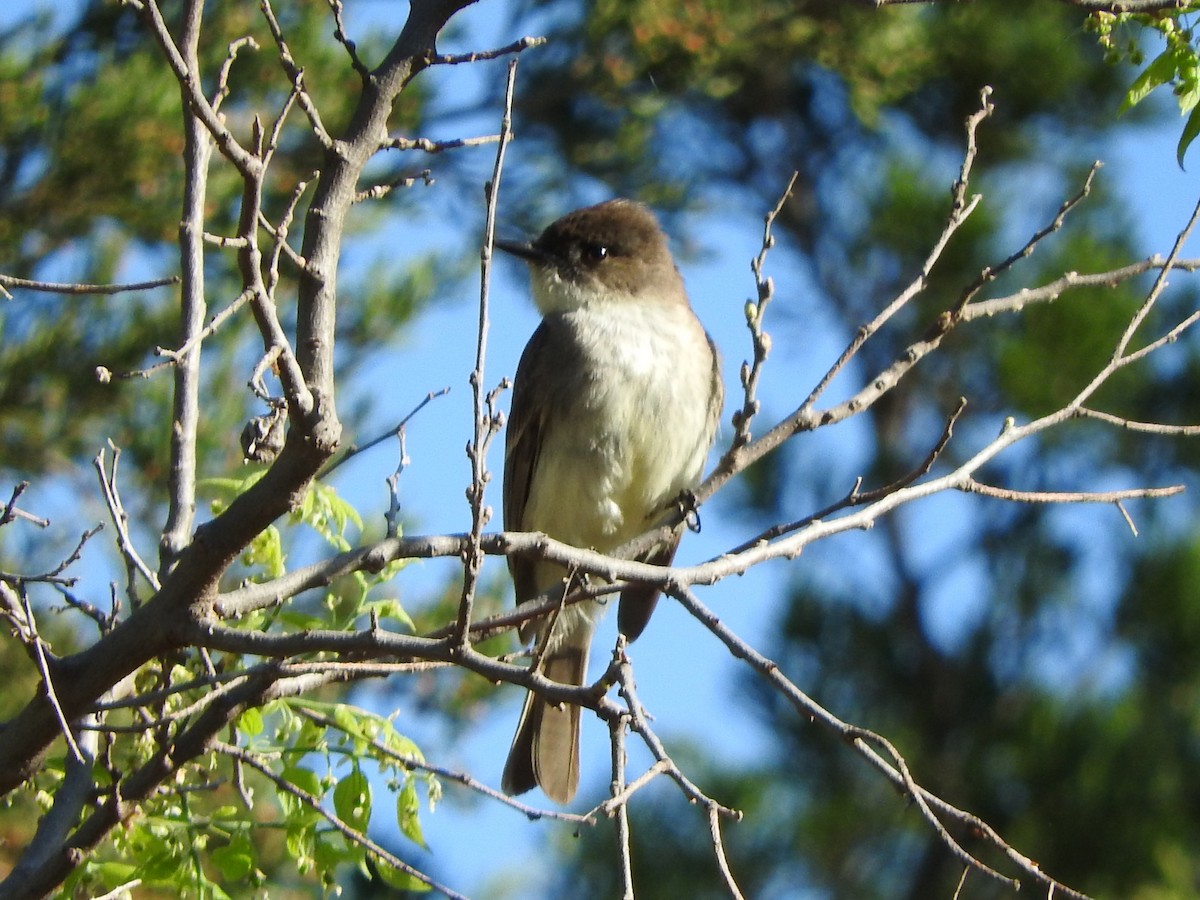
(635, 436)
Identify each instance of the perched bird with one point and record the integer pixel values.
(614, 409)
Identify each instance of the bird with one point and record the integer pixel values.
(614, 409)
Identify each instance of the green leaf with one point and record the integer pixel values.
(301, 845)
(327, 514)
(333, 851)
(390, 608)
(1190, 129)
(302, 621)
(352, 800)
(226, 489)
(349, 719)
(401, 745)
(1161, 70)
(112, 874)
(399, 879)
(407, 814)
(250, 722)
(235, 859)
(305, 779)
(266, 553)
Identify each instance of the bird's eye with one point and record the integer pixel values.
(595, 252)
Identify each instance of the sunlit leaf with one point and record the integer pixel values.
(352, 800)
(407, 813)
(1190, 129)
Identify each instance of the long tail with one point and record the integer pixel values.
(545, 750)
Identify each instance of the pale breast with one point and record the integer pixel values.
(636, 430)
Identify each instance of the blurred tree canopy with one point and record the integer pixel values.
(1063, 705)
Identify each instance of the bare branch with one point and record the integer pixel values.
(760, 340)
(12, 511)
(1131, 425)
(1052, 290)
(55, 576)
(991, 273)
(619, 809)
(235, 47)
(355, 449)
(280, 247)
(189, 79)
(856, 496)
(517, 46)
(296, 74)
(39, 654)
(487, 419)
(861, 741)
(961, 208)
(181, 486)
(971, 486)
(340, 35)
(428, 146)
(621, 671)
(194, 341)
(379, 191)
(116, 509)
(55, 287)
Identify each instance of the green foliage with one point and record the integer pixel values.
(208, 837)
(225, 823)
(1123, 35)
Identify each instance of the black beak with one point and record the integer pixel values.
(522, 250)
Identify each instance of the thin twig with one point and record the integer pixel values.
(379, 191)
(296, 75)
(971, 486)
(760, 341)
(80, 288)
(622, 671)
(486, 419)
(430, 146)
(861, 740)
(341, 36)
(195, 340)
(116, 510)
(39, 651)
(12, 511)
(55, 576)
(1052, 290)
(618, 808)
(857, 496)
(1131, 425)
(355, 449)
(960, 210)
(231, 54)
(991, 273)
(458, 59)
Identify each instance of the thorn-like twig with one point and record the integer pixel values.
(487, 421)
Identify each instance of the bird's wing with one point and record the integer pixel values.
(523, 444)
